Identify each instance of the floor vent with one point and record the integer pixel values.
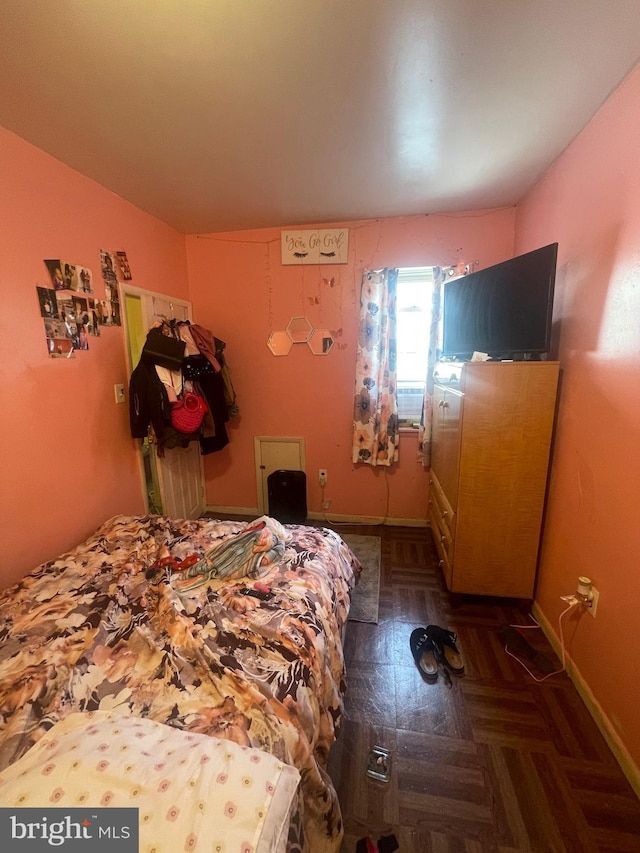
(379, 764)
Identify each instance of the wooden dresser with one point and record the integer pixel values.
(490, 457)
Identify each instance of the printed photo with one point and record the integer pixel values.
(115, 314)
(58, 344)
(103, 311)
(83, 320)
(80, 310)
(72, 333)
(69, 275)
(123, 266)
(48, 303)
(83, 337)
(108, 312)
(55, 272)
(108, 267)
(60, 347)
(66, 309)
(86, 279)
(55, 329)
(94, 322)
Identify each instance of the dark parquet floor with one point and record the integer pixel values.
(496, 763)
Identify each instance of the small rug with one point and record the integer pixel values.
(364, 603)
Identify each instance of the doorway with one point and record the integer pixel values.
(173, 485)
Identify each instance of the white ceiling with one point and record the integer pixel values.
(225, 114)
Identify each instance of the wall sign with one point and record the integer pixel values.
(317, 246)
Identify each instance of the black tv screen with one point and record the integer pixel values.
(504, 310)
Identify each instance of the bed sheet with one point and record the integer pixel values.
(105, 627)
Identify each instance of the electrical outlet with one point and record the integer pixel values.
(322, 477)
(119, 393)
(326, 504)
(595, 596)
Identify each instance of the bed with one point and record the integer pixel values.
(125, 628)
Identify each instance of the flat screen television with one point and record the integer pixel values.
(504, 310)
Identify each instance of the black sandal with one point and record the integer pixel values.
(444, 644)
(424, 653)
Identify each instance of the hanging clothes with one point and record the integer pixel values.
(153, 388)
(213, 350)
(149, 406)
(212, 389)
(183, 329)
(206, 343)
(163, 347)
(173, 382)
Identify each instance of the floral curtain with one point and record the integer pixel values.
(424, 434)
(375, 418)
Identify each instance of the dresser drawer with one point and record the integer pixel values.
(441, 505)
(443, 541)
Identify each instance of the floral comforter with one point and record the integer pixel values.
(108, 627)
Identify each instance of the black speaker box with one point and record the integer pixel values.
(287, 492)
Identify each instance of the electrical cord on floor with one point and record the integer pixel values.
(537, 625)
(360, 523)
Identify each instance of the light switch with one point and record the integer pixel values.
(119, 393)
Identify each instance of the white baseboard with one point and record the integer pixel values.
(330, 518)
(626, 762)
(333, 518)
(250, 512)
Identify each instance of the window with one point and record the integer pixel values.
(413, 311)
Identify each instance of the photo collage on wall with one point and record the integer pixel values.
(69, 314)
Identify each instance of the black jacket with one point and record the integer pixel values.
(149, 405)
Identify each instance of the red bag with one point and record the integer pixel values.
(188, 413)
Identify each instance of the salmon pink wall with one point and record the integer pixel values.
(590, 203)
(242, 292)
(67, 460)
